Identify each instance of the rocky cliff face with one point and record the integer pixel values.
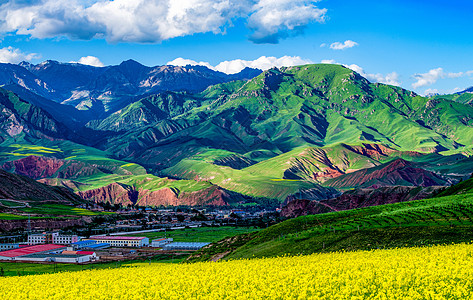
(356, 199)
(34, 166)
(41, 167)
(124, 194)
(92, 88)
(113, 193)
(397, 172)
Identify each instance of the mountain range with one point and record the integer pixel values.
(188, 135)
(101, 90)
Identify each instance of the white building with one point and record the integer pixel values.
(60, 258)
(122, 241)
(159, 243)
(52, 238)
(8, 246)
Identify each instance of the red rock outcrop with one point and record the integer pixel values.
(34, 166)
(38, 167)
(123, 194)
(356, 199)
(327, 174)
(113, 193)
(397, 172)
(164, 197)
(371, 150)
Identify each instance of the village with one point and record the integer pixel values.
(59, 248)
(125, 237)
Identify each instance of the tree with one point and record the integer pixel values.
(199, 217)
(2, 272)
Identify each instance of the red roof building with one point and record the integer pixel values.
(36, 249)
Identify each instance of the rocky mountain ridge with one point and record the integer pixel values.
(102, 90)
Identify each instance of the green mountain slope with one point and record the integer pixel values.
(301, 123)
(465, 98)
(283, 132)
(18, 118)
(312, 105)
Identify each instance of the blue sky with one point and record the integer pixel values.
(420, 45)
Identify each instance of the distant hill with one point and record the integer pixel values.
(465, 96)
(20, 118)
(464, 187)
(358, 198)
(17, 187)
(397, 172)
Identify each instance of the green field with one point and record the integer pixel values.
(199, 234)
(42, 211)
(61, 210)
(6, 216)
(21, 269)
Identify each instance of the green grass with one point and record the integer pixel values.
(21, 269)
(6, 216)
(421, 222)
(464, 187)
(240, 181)
(199, 234)
(61, 210)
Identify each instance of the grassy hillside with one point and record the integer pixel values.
(283, 132)
(281, 110)
(304, 123)
(465, 98)
(464, 187)
(421, 222)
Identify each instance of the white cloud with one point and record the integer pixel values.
(146, 21)
(14, 55)
(275, 19)
(428, 78)
(431, 77)
(391, 78)
(90, 61)
(431, 92)
(328, 61)
(184, 62)
(356, 68)
(236, 65)
(342, 46)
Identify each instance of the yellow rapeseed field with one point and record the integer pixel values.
(439, 272)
